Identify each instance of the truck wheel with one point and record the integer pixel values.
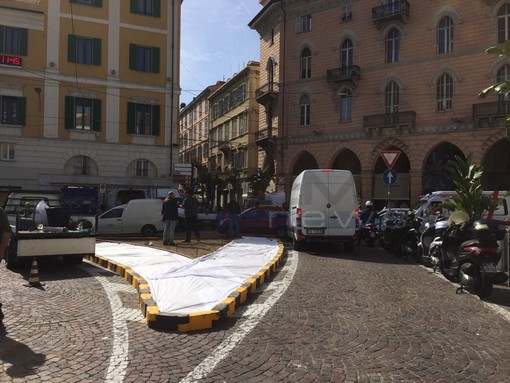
(297, 245)
(148, 231)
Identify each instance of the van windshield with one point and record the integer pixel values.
(418, 204)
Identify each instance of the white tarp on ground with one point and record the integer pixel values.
(180, 285)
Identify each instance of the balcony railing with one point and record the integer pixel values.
(344, 74)
(266, 92)
(390, 120)
(491, 109)
(263, 140)
(394, 10)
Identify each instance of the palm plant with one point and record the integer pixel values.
(470, 198)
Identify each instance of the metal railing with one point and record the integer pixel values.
(393, 8)
(389, 119)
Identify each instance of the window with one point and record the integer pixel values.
(346, 54)
(6, 151)
(94, 3)
(82, 113)
(305, 24)
(392, 46)
(391, 101)
(12, 110)
(142, 168)
(235, 132)
(239, 160)
(83, 166)
(504, 23)
(306, 63)
(82, 50)
(143, 119)
(444, 93)
(503, 98)
(346, 11)
(304, 111)
(270, 74)
(346, 105)
(143, 59)
(271, 38)
(242, 124)
(445, 35)
(13, 41)
(146, 7)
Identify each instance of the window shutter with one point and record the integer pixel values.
(157, 8)
(131, 127)
(2, 29)
(22, 110)
(134, 6)
(132, 57)
(23, 43)
(155, 120)
(96, 51)
(98, 3)
(155, 60)
(69, 113)
(96, 115)
(71, 48)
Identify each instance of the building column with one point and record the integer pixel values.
(416, 180)
(366, 186)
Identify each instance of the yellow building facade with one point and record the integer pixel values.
(89, 93)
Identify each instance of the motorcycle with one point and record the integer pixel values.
(369, 233)
(469, 254)
(402, 237)
(430, 238)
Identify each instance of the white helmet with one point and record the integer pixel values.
(369, 204)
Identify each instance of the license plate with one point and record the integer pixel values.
(489, 267)
(314, 231)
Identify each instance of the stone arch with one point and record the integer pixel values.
(496, 166)
(81, 165)
(131, 168)
(435, 174)
(348, 160)
(303, 161)
(442, 12)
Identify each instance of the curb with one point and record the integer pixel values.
(195, 321)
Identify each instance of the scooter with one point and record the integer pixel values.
(469, 255)
(369, 233)
(430, 239)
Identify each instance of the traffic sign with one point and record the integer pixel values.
(390, 157)
(390, 177)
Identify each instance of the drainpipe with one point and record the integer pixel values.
(172, 125)
(283, 95)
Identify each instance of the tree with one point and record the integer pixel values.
(260, 181)
(466, 176)
(501, 87)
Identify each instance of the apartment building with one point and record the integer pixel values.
(89, 93)
(234, 121)
(344, 81)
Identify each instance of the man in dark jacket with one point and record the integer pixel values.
(169, 215)
(233, 211)
(5, 237)
(190, 205)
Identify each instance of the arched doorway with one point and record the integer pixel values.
(305, 161)
(435, 173)
(398, 194)
(348, 160)
(496, 167)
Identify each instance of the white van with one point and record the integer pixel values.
(138, 216)
(322, 208)
(428, 204)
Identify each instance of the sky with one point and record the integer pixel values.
(216, 42)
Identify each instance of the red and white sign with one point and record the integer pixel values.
(390, 157)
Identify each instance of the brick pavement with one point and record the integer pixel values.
(362, 317)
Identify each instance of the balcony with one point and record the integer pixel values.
(393, 11)
(348, 74)
(390, 123)
(224, 146)
(267, 93)
(491, 109)
(264, 141)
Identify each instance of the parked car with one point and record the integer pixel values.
(269, 220)
(206, 218)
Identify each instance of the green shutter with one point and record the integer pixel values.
(96, 115)
(71, 48)
(98, 3)
(23, 42)
(2, 29)
(134, 6)
(157, 8)
(155, 120)
(132, 57)
(22, 111)
(69, 113)
(96, 51)
(131, 127)
(155, 60)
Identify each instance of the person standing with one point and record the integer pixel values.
(169, 215)
(5, 237)
(233, 211)
(190, 205)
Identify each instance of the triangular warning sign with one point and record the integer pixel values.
(390, 157)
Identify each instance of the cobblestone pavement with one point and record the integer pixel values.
(362, 317)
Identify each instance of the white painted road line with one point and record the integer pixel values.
(253, 314)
